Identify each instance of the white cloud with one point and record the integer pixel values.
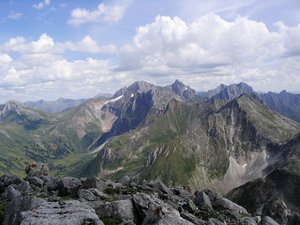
(42, 4)
(210, 50)
(14, 15)
(41, 63)
(109, 13)
(46, 44)
(202, 53)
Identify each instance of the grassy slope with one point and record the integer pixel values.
(54, 140)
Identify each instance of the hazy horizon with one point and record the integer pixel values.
(111, 94)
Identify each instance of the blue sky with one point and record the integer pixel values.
(77, 49)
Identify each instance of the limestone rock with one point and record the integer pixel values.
(94, 182)
(61, 213)
(69, 186)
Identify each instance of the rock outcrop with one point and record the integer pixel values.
(69, 201)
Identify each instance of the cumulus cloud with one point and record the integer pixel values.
(109, 13)
(14, 15)
(41, 4)
(211, 50)
(41, 63)
(46, 44)
(202, 53)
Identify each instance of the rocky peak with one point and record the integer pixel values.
(19, 109)
(229, 92)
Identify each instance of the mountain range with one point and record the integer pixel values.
(221, 139)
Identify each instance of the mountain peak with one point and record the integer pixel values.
(178, 83)
(229, 92)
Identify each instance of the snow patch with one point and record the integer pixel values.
(114, 100)
(132, 95)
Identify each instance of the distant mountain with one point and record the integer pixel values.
(133, 104)
(28, 135)
(57, 106)
(285, 103)
(229, 92)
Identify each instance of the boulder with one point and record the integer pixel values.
(213, 196)
(229, 205)
(12, 193)
(91, 194)
(35, 181)
(125, 180)
(159, 185)
(94, 182)
(155, 211)
(24, 187)
(69, 186)
(8, 179)
(278, 210)
(122, 209)
(248, 221)
(12, 214)
(61, 213)
(34, 172)
(268, 221)
(202, 200)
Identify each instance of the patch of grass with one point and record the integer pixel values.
(3, 206)
(111, 220)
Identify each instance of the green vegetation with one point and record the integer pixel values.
(111, 220)
(3, 206)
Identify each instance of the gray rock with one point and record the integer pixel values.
(94, 182)
(182, 192)
(34, 172)
(24, 187)
(69, 186)
(12, 214)
(36, 181)
(193, 219)
(12, 193)
(268, 221)
(91, 194)
(159, 185)
(125, 180)
(8, 179)
(248, 221)
(61, 213)
(156, 211)
(213, 196)
(51, 182)
(277, 210)
(227, 204)
(202, 200)
(173, 218)
(215, 222)
(122, 209)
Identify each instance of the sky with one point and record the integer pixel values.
(79, 48)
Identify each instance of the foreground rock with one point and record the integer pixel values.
(41, 199)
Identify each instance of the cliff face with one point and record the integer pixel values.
(277, 193)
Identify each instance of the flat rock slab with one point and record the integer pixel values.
(61, 213)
